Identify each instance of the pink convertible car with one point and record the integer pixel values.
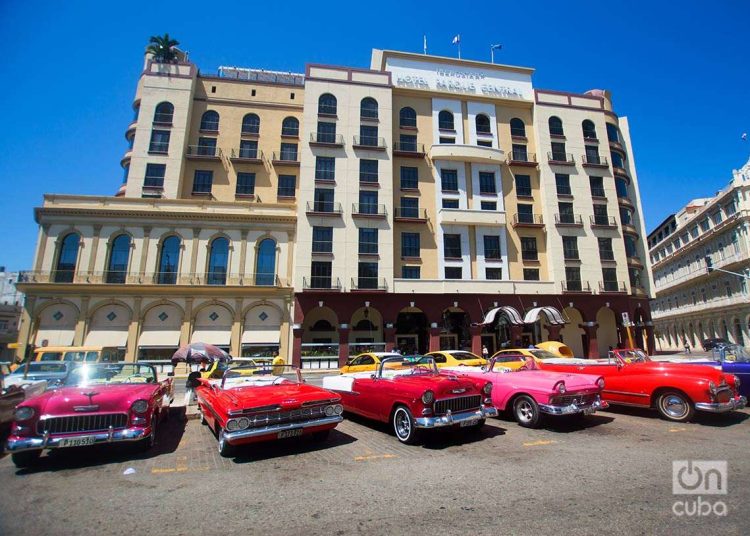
(529, 393)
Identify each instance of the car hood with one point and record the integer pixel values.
(444, 385)
(103, 399)
(680, 369)
(287, 396)
(535, 379)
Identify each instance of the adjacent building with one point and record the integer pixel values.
(11, 300)
(693, 304)
(423, 203)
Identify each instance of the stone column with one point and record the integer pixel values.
(134, 332)
(194, 256)
(297, 330)
(343, 344)
(476, 339)
(434, 338)
(26, 327)
(235, 343)
(144, 258)
(592, 352)
(389, 336)
(187, 323)
(83, 321)
(94, 250)
(43, 236)
(554, 331)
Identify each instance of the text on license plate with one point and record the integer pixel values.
(470, 422)
(77, 441)
(294, 432)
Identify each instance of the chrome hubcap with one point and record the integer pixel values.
(524, 411)
(674, 406)
(403, 427)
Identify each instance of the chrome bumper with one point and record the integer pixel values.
(17, 444)
(574, 408)
(237, 435)
(449, 419)
(737, 402)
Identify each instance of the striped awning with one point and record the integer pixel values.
(553, 315)
(512, 314)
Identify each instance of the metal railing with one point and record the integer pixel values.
(285, 157)
(321, 282)
(568, 219)
(603, 221)
(369, 141)
(369, 283)
(527, 219)
(522, 156)
(369, 209)
(554, 156)
(411, 213)
(206, 151)
(324, 207)
(408, 147)
(320, 355)
(612, 286)
(153, 278)
(594, 160)
(244, 153)
(326, 138)
(576, 286)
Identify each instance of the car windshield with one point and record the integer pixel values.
(260, 374)
(732, 353)
(463, 356)
(81, 356)
(407, 365)
(635, 356)
(110, 373)
(499, 364)
(50, 356)
(543, 354)
(41, 367)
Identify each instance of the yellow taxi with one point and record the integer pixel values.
(366, 362)
(511, 357)
(79, 354)
(456, 358)
(216, 370)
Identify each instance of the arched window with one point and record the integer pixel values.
(517, 128)
(407, 118)
(164, 113)
(119, 254)
(589, 130)
(265, 264)
(290, 127)
(218, 261)
(67, 257)
(445, 120)
(169, 261)
(483, 124)
(250, 124)
(368, 108)
(210, 121)
(555, 126)
(322, 325)
(327, 104)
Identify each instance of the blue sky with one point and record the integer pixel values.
(679, 71)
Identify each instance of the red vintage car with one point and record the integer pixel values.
(675, 390)
(96, 403)
(265, 403)
(411, 394)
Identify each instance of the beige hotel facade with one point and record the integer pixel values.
(423, 203)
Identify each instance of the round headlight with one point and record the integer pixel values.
(561, 388)
(23, 413)
(338, 409)
(330, 410)
(600, 383)
(428, 398)
(232, 425)
(487, 389)
(139, 406)
(712, 387)
(242, 423)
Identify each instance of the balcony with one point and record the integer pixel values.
(614, 144)
(568, 220)
(465, 216)
(561, 159)
(285, 159)
(528, 220)
(595, 160)
(626, 202)
(410, 214)
(246, 156)
(324, 139)
(612, 287)
(603, 222)
(321, 282)
(154, 278)
(370, 143)
(634, 261)
(639, 291)
(203, 152)
(621, 172)
(466, 153)
(630, 229)
(576, 286)
(369, 284)
(369, 210)
(409, 149)
(324, 208)
(518, 158)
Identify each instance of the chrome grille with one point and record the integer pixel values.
(82, 423)
(282, 417)
(566, 400)
(457, 404)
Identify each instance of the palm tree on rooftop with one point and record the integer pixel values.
(162, 48)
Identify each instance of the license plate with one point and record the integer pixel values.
(77, 441)
(294, 432)
(469, 422)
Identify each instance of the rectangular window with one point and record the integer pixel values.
(484, 143)
(519, 153)
(597, 186)
(523, 186)
(447, 140)
(558, 152)
(617, 160)
(609, 275)
(453, 272)
(320, 274)
(287, 185)
(525, 213)
(368, 135)
(487, 185)
(248, 149)
(562, 181)
(368, 202)
(450, 203)
(573, 278)
(612, 134)
(159, 142)
(409, 178)
(409, 207)
(410, 272)
(368, 241)
(323, 201)
(452, 246)
(528, 249)
(322, 241)
(206, 146)
(326, 132)
(705, 225)
(600, 215)
(288, 152)
(367, 275)
(492, 247)
(245, 184)
(368, 170)
(407, 143)
(449, 180)
(202, 180)
(592, 155)
(566, 212)
(410, 246)
(325, 168)
(531, 274)
(605, 249)
(570, 247)
(488, 205)
(154, 175)
(493, 273)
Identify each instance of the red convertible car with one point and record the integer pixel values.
(96, 403)
(675, 390)
(411, 394)
(252, 404)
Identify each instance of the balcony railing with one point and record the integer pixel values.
(576, 286)
(409, 148)
(595, 160)
(321, 282)
(612, 286)
(603, 221)
(368, 209)
(324, 207)
(203, 151)
(369, 283)
(568, 219)
(560, 158)
(285, 158)
(325, 138)
(251, 155)
(119, 277)
(370, 142)
(521, 157)
(533, 220)
(411, 213)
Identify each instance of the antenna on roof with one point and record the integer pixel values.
(493, 48)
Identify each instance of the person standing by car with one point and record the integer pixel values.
(687, 347)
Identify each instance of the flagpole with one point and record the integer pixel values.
(459, 47)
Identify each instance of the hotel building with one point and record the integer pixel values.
(423, 203)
